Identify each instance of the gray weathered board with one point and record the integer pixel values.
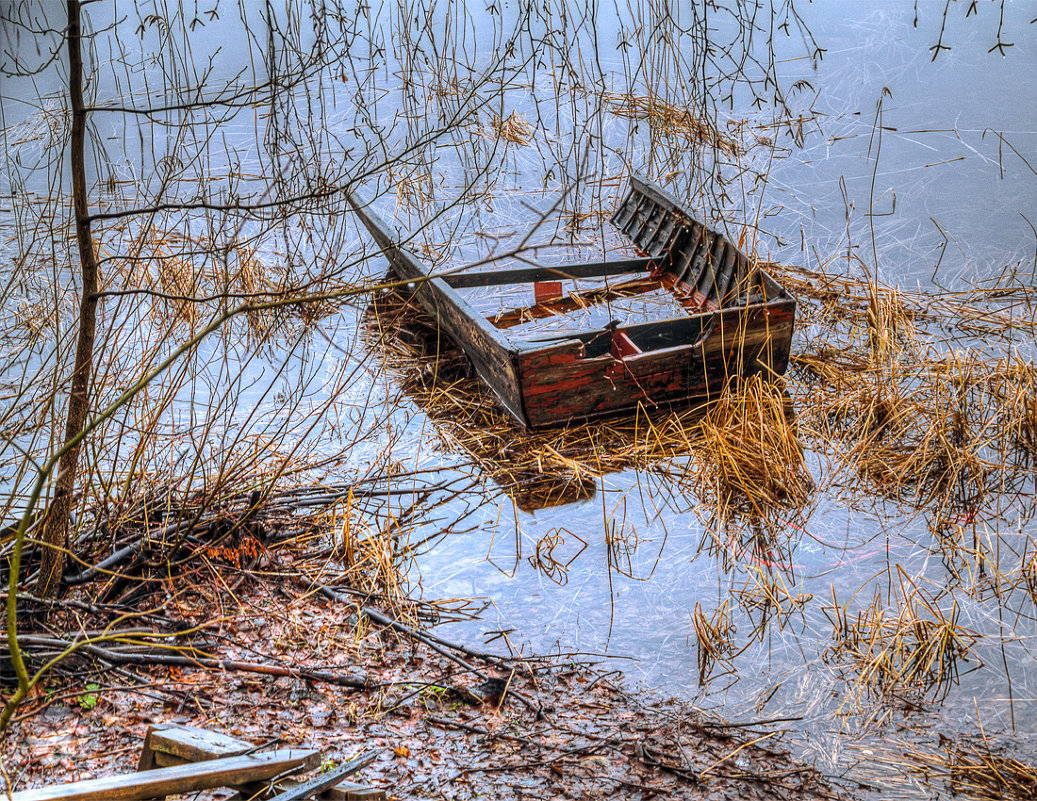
(190, 777)
(174, 744)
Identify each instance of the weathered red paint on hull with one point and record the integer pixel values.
(557, 386)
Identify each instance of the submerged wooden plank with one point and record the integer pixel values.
(188, 778)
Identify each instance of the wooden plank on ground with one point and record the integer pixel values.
(351, 791)
(343, 791)
(180, 779)
(173, 744)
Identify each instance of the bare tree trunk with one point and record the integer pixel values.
(55, 532)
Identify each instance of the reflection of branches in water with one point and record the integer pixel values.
(715, 636)
(768, 597)
(556, 566)
(971, 9)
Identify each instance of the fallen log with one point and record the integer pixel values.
(151, 659)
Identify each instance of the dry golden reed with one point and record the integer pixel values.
(907, 645)
(668, 119)
(748, 455)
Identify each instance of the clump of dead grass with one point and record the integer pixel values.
(185, 288)
(668, 119)
(513, 129)
(769, 596)
(369, 556)
(908, 645)
(975, 770)
(928, 438)
(413, 187)
(904, 407)
(1016, 389)
(748, 456)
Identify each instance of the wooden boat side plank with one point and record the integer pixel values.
(647, 241)
(741, 341)
(643, 192)
(489, 350)
(653, 216)
(682, 264)
(693, 274)
(492, 360)
(626, 217)
(627, 209)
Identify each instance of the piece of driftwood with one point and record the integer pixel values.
(186, 778)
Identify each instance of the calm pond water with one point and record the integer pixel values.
(887, 157)
(949, 202)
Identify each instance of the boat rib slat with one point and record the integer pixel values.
(652, 242)
(639, 238)
(670, 231)
(719, 292)
(708, 280)
(623, 214)
(631, 222)
(690, 275)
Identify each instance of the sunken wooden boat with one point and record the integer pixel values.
(724, 317)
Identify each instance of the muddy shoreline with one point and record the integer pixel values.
(535, 727)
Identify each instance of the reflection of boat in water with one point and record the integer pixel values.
(536, 469)
(705, 313)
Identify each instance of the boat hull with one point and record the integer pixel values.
(738, 321)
